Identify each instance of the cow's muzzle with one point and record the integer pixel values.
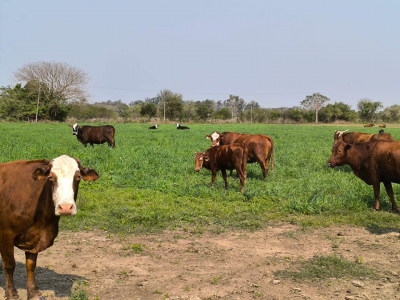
(66, 209)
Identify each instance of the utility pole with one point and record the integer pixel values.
(251, 114)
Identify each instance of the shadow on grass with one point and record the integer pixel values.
(382, 230)
(46, 279)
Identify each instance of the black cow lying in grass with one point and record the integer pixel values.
(178, 126)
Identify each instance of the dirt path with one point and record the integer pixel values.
(235, 265)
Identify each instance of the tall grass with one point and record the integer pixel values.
(148, 182)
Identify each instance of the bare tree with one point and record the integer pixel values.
(58, 82)
(315, 102)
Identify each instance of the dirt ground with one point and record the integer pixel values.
(233, 265)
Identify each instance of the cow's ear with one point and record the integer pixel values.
(347, 147)
(89, 174)
(208, 137)
(206, 158)
(70, 126)
(80, 127)
(41, 172)
(221, 135)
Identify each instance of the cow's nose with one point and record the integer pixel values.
(65, 209)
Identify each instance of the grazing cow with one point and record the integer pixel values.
(373, 162)
(154, 127)
(178, 126)
(258, 148)
(369, 125)
(33, 196)
(359, 137)
(382, 126)
(94, 134)
(222, 158)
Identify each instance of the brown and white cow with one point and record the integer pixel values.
(94, 134)
(226, 157)
(373, 162)
(258, 148)
(33, 196)
(359, 137)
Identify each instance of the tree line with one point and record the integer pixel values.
(55, 92)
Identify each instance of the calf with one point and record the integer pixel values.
(373, 162)
(154, 127)
(369, 125)
(94, 134)
(222, 158)
(33, 196)
(258, 148)
(382, 126)
(178, 126)
(359, 137)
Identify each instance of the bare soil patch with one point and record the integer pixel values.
(233, 265)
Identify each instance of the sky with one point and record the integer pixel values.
(272, 52)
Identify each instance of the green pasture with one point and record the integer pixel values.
(148, 183)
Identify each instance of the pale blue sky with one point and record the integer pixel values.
(273, 52)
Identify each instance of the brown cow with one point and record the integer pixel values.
(33, 196)
(94, 134)
(226, 157)
(382, 126)
(373, 162)
(369, 125)
(258, 148)
(359, 137)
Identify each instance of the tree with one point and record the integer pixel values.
(204, 109)
(17, 103)
(223, 114)
(392, 113)
(315, 102)
(236, 104)
(367, 109)
(171, 104)
(338, 111)
(58, 82)
(148, 109)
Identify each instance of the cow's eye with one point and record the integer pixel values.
(77, 178)
(51, 178)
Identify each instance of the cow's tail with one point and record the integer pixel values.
(270, 149)
(113, 137)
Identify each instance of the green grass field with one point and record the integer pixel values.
(148, 183)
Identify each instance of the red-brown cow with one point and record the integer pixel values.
(359, 137)
(33, 196)
(369, 125)
(258, 148)
(373, 162)
(94, 134)
(226, 157)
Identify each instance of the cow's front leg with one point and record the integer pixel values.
(377, 188)
(389, 191)
(7, 255)
(223, 171)
(31, 286)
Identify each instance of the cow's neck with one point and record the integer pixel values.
(355, 159)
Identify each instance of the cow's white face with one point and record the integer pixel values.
(75, 129)
(215, 139)
(177, 125)
(65, 176)
(156, 126)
